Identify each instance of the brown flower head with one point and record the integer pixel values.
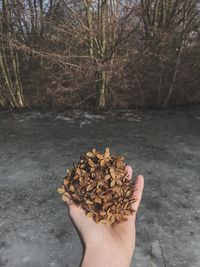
(100, 185)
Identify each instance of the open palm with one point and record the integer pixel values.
(118, 237)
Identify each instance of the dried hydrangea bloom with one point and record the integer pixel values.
(100, 185)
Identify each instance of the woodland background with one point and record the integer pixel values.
(99, 54)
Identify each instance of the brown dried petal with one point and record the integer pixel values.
(91, 163)
(107, 153)
(112, 170)
(71, 188)
(107, 177)
(90, 214)
(90, 154)
(89, 202)
(61, 190)
(102, 162)
(112, 175)
(98, 200)
(112, 183)
(99, 156)
(103, 221)
(89, 187)
(64, 198)
(66, 182)
(128, 212)
(94, 151)
(119, 182)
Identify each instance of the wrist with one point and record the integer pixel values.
(104, 256)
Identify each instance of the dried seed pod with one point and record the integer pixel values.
(99, 184)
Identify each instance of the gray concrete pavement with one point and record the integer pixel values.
(35, 151)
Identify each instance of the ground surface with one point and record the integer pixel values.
(35, 151)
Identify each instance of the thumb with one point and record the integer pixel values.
(137, 191)
(70, 206)
(75, 212)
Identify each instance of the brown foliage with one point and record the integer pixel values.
(121, 54)
(99, 184)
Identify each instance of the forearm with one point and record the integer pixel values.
(104, 257)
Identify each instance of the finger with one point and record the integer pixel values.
(75, 212)
(71, 206)
(81, 222)
(137, 191)
(129, 170)
(69, 202)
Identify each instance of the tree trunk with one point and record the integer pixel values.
(103, 75)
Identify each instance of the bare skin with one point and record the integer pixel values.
(106, 245)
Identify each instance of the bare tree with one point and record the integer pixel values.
(103, 52)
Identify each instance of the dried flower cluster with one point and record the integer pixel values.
(99, 184)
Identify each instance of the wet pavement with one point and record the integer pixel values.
(35, 151)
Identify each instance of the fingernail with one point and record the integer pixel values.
(69, 201)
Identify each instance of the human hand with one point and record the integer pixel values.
(108, 245)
